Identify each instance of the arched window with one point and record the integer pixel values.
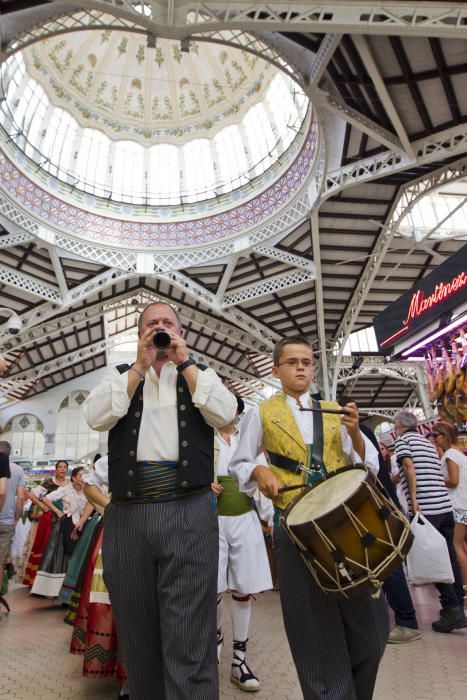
(25, 433)
(73, 438)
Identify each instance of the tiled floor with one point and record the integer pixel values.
(35, 663)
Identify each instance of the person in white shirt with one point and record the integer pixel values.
(243, 561)
(454, 465)
(161, 540)
(11, 508)
(336, 643)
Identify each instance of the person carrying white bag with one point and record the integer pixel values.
(428, 560)
(423, 483)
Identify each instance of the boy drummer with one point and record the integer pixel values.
(336, 642)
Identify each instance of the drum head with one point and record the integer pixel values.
(326, 496)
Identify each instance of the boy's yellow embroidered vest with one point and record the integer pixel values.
(281, 435)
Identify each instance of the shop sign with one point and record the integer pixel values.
(439, 292)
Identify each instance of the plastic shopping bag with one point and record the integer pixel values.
(428, 560)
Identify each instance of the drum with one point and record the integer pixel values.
(350, 536)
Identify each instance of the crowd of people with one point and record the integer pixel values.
(143, 548)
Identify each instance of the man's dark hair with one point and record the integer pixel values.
(294, 340)
(158, 303)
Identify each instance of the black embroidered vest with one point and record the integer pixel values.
(195, 442)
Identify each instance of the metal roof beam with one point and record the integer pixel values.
(444, 144)
(142, 297)
(178, 18)
(409, 196)
(328, 45)
(29, 284)
(284, 256)
(383, 93)
(267, 286)
(13, 239)
(340, 108)
(235, 316)
(228, 272)
(315, 239)
(80, 293)
(24, 380)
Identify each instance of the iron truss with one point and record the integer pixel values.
(410, 195)
(139, 299)
(403, 371)
(14, 387)
(179, 19)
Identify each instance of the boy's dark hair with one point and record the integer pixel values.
(294, 340)
(240, 404)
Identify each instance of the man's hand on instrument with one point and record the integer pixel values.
(268, 483)
(351, 419)
(146, 351)
(177, 350)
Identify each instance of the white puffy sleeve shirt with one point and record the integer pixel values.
(251, 443)
(158, 435)
(73, 501)
(99, 474)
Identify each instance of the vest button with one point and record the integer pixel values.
(130, 472)
(133, 431)
(184, 484)
(184, 443)
(184, 463)
(141, 397)
(131, 453)
(137, 414)
(183, 423)
(129, 494)
(180, 389)
(182, 407)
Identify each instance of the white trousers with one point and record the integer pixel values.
(243, 560)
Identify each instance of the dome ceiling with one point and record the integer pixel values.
(112, 81)
(155, 122)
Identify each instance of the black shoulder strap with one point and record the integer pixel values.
(318, 439)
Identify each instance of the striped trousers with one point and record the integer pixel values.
(160, 567)
(336, 642)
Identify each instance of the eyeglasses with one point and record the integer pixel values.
(436, 434)
(295, 362)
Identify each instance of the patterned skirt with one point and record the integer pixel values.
(40, 540)
(54, 562)
(94, 635)
(77, 560)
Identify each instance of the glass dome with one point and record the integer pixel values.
(165, 125)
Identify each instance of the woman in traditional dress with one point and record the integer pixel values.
(94, 635)
(41, 518)
(70, 591)
(69, 523)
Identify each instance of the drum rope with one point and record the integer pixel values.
(347, 571)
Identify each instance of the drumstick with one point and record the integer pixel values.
(283, 489)
(338, 411)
